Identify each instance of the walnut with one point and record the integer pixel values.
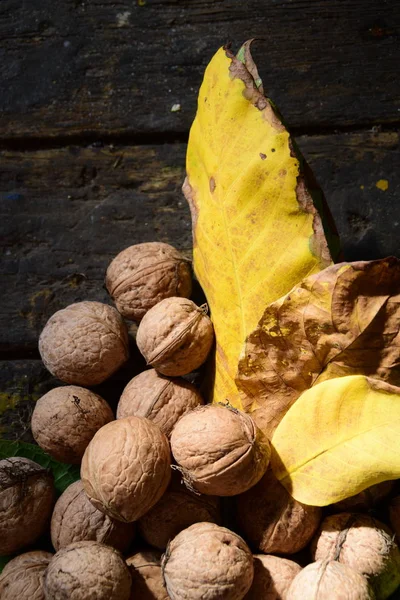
(219, 450)
(65, 420)
(394, 513)
(364, 544)
(158, 398)
(274, 522)
(22, 578)
(84, 343)
(147, 579)
(142, 275)
(177, 509)
(126, 468)
(87, 570)
(207, 561)
(324, 579)
(26, 500)
(272, 577)
(175, 336)
(76, 519)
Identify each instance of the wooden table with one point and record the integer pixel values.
(92, 155)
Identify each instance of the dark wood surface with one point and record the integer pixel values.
(92, 158)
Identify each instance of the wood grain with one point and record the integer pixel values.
(65, 213)
(97, 68)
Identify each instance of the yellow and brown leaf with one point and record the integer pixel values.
(342, 321)
(256, 229)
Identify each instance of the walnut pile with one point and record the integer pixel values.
(84, 343)
(161, 399)
(175, 336)
(219, 450)
(144, 274)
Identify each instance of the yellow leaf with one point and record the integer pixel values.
(256, 231)
(344, 320)
(339, 438)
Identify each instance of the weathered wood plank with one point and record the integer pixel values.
(101, 68)
(65, 213)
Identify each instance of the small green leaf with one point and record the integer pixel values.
(63, 474)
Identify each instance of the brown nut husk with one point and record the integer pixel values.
(364, 544)
(22, 578)
(175, 336)
(367, 499)
(147, 579)
(177, 509)
(272, 577)
(144, 274)
(323, 580)
(219, 450)
(126, 468)
(65, 419)
(84, 343)
(207, 561)
(86, 570)
(76, 519)
(274, 522)
(158, 398)
(26, 500)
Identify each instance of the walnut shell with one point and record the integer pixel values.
(65, 419)
(147, 579)
(158, 398)
(87, 570)
(22, 578)
(126, 468)
(272, 577)
(84, 343)
(175, 336)
(366, 499)
(364, 544)
(219, 450)
(323, 580)
(177, 509)
(142, 275)
(274, 522)
(207, 561)
(26, 500)
(76, 519)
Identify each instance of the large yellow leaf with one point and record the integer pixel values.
(344, 320)
(339, 438)
(256, 231)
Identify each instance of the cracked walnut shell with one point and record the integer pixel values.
(144, 274)
(65, 419)
(26, 501)
(207, 561)
(87, 570)
(126, 468)
(84, 343)
(76, 519)
(158, 398)
(175, 336)
(219, 450)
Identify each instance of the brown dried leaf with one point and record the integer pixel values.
(344, 320)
